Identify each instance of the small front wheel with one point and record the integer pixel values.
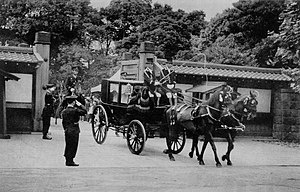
(136, 137)
(99, 124)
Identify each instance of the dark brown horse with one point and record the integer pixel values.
(244, 107)
(199, 119)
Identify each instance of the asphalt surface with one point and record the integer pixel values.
(28, 163)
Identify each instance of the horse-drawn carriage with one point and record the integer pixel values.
(135, 117)
(219, 114)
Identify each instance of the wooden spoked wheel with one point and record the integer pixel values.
(99, 124)
(136, 137)
(176, 145)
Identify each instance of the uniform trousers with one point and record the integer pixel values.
(71, 147)
(46, 124)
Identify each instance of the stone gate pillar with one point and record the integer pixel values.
(286, 111)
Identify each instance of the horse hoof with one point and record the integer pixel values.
(224, 157)
(171, 157)
(191, 154)
(166, 151)
(229, 163)
(201, 162)
(218, 164)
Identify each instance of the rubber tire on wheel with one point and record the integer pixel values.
(99, 124)
(136, 137)
(176, 146)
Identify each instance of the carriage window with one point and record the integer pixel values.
(113, 92)
(125, 93)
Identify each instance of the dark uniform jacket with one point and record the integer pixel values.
(70, 119)
(48, 110)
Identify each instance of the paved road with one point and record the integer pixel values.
(28, 163)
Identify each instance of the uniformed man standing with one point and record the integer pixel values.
(48, 109)
(70, 122)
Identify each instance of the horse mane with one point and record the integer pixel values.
(214, 98)
(236, 102)
(239, 99)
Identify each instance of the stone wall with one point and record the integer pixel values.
(286, 110)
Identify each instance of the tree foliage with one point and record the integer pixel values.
(260, 33)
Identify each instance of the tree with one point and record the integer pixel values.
(257, 18)
(63, 19)
(167, 34)
(195, 22)
(288, 52)
(126, 16)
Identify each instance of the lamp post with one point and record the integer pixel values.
(206, 75)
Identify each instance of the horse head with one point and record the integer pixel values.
(216, 104)
(221, 98)
(246, 106)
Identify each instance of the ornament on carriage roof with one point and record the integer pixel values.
(123, 75)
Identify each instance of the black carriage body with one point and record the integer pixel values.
(115, 113)
(115, 97)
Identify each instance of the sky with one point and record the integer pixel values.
(210, 7)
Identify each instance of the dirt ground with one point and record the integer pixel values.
(28, 163)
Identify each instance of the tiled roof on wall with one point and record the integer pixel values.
(230, 71)
(19, 54)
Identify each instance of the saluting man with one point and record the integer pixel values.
(70, 121)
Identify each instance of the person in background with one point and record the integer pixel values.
(48, 109)
(70, 121)
(72, 81)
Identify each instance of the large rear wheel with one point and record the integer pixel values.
(175, 145)
(136, 137)
(99, 124)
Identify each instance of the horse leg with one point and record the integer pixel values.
(168, 150)
(194, 143)
(196, 146)
(214, 148)
(170, 154)
(200, 157)
(229, 149)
